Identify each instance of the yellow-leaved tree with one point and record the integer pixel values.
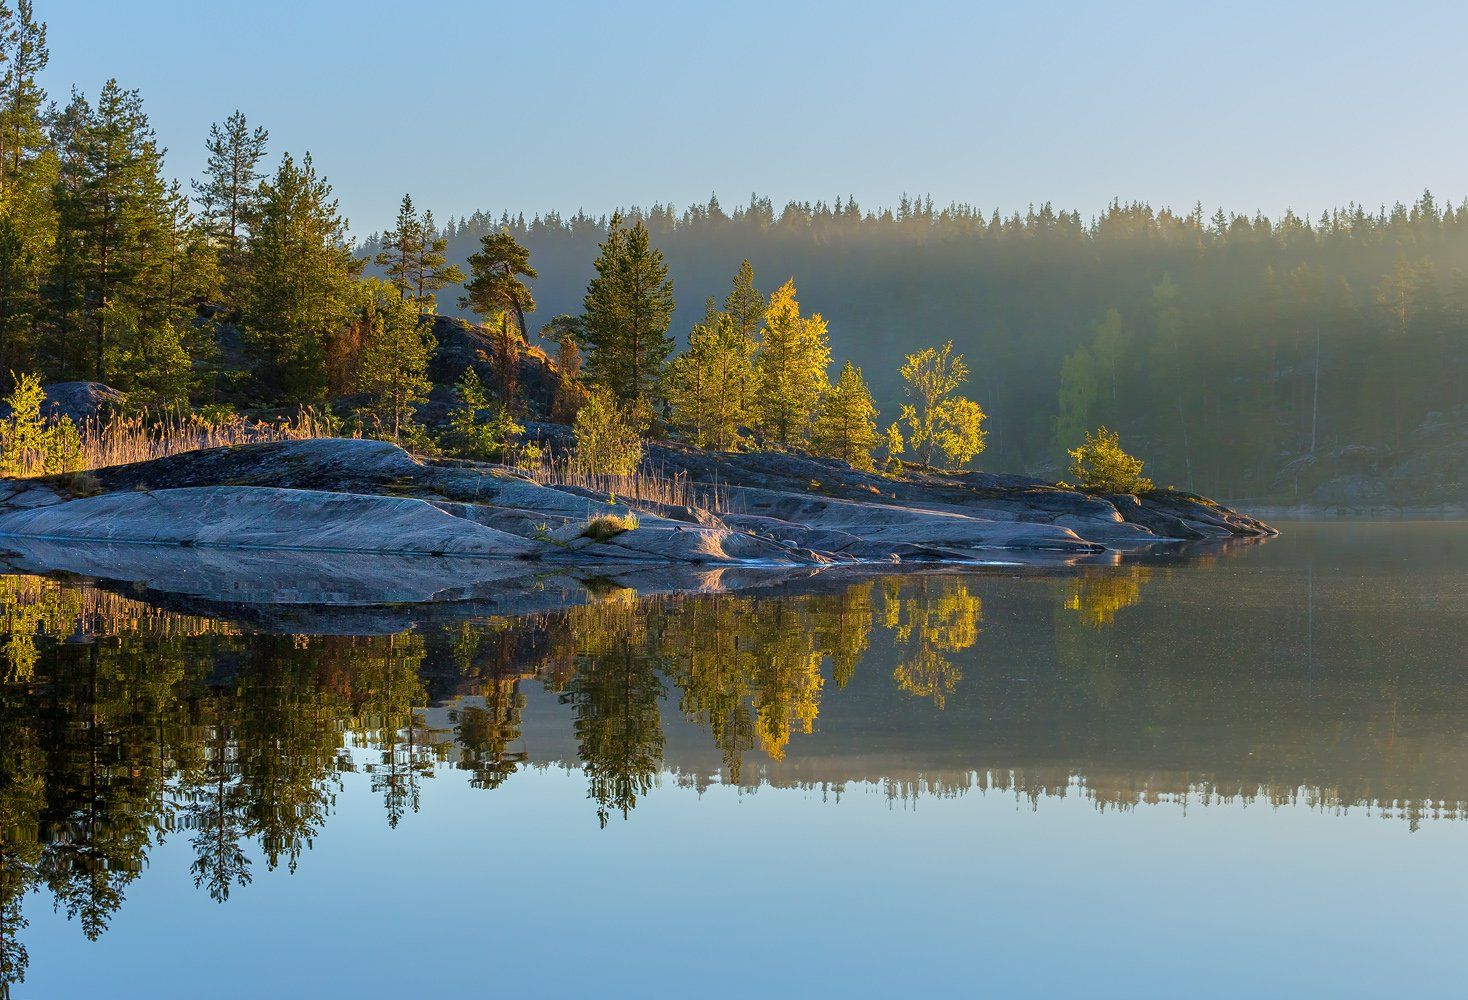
(794, 353)
(1100, 466)
(938, 419)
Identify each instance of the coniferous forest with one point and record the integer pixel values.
(1300, 358)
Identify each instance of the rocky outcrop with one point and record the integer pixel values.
(337, 498)
(81, 401)
(462, 344)
(1427, 470)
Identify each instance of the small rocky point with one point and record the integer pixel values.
(362, 496)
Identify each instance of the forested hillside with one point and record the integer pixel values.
(1244, 356)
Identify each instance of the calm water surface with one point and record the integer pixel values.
(1245, 772)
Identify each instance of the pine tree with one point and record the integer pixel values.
(707, 385)
(229, 195)
(431, 269)
(628, 307)
(744, 303)
(846, 427)
(401, 246)
(27, 172)
(111, 261)
(301, 276)
(477, 428)
(494, 284)
(794, 353)
(393, 365)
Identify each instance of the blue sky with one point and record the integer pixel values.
(534, 106)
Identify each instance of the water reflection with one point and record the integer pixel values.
(122, 724)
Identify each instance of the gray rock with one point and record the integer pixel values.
(81, 401)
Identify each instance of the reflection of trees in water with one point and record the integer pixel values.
(120, 723)
(930, 617)
(1098, 595)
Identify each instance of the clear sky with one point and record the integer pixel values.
(545, 105)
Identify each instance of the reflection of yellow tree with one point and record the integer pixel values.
(33, 606)
(1099, 596)
(787, 678)
(929, 617)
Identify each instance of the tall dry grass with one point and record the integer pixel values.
(650, 484)
(119, 440)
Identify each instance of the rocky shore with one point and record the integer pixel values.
(347, 521)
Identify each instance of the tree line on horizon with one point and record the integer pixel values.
(1233, 351)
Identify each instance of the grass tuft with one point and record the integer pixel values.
(609, 526)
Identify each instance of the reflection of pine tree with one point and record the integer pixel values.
(388, 720)
(619, 728)
(215, 810)
(484, 734)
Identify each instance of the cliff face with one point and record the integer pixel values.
(1429, 469)
(461, 344)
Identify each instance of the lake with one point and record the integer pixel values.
(1223, 772)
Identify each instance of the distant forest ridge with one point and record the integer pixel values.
(1290, 358)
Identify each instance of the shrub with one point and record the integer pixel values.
(607, 526)
(28, 444)
(472, 434)
(608, 436)
(1100, 466)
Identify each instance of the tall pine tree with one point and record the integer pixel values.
(628, 307)
(229, 196)
(846, 427)
(301, 271)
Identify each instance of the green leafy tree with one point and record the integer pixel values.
(1100, 466)
(608, 436)
(29, 445)
(892, 440)
(794, 353)
(937, 419)
(709, 386)
(628, 307)
(393, 366)
(478, 428)
(302, 277)
(846, 427)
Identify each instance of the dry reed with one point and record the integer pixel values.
(120, 440)
(650, 484)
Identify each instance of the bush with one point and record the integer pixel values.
(473, 435)
(607, 526)
(1100, 466)
(608, 436)
(28, 445)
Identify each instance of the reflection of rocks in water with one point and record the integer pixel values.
(120, 721)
